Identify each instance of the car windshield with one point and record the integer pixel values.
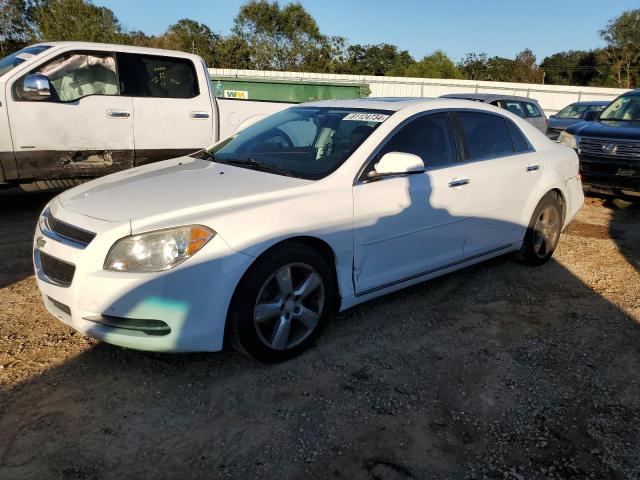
(626, 107)
(304, 142)
(16, 58)
(577, 110)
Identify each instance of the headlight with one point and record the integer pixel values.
(158, 250)
(568, 140)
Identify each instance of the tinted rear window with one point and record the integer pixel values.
(520, 143)
(486, 135)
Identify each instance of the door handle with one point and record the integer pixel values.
(118, 114)
(533, 167)
(199, 115)
(458, 182)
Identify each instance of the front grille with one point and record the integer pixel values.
(57, 270)
(612, 148)
(69, 232)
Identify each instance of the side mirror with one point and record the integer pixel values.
(36, 87)
(591, 116)
(552, 116)
(397, 163)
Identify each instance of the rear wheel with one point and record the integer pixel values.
(281, 304)
(543, 232)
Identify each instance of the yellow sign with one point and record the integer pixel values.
(242, 94)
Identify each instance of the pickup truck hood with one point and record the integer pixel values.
(563, 123)
(607, 129)
(181, 184)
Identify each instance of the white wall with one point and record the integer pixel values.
(551, 97)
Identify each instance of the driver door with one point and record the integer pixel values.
(407, 226)
(83, 129)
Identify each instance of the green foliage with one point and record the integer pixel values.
(273, 36)
(74, 20)
(436, 65)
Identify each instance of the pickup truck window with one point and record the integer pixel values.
(304, 142)
(77, 75)
(624, 108)
(16, 58)
(157, 76)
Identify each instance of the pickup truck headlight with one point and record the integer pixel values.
(158, 250)
(569, 140)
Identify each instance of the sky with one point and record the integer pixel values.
(497, 27)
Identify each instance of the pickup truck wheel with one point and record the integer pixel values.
(543, 232)
(281, 304)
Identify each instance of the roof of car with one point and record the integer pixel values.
(593, 103)
(487, 97)
(375, 103)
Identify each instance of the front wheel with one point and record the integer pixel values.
(543, 232)
(281, 304)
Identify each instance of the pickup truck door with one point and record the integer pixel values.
(83, 129)
(172, 103)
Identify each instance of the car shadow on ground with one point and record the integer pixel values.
(18, 216)
(497, 370)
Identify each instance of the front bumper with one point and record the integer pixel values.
(181, 309)
(610, 175)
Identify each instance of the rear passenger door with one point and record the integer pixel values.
(505, 170)
(172, 104)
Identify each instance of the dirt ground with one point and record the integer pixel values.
(497, 371)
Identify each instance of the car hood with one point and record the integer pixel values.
(562, 123)
(182, 184)
(607, 129)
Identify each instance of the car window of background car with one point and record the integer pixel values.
(532, 110)
(430, 137)
(79, 75)
(309, 142)
(16, 58)
(623, 108)
(486, 135)
(158, 77)
(514, 107)
(573, 111)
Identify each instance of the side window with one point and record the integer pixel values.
(532, 110)
(77, 75)
(514, 107)
(486, 135)
(430, 137)
(158, 77)
(520, 143)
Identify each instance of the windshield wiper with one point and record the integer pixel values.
(250, 162)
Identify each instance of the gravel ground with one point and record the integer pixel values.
(498, 371)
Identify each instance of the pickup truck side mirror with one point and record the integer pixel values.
(36, 87)
(552, 116)
(591, 116)
(397, 163)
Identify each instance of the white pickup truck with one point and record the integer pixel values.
(73, 110)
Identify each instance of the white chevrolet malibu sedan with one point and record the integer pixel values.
(260, 239)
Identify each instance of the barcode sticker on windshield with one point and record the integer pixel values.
(367, 117)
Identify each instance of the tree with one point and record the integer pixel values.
(436, 65)
(525, 68)
(231, 52)
(381, 59)
(15, 30)
(279, 38)
(74, 20)
(194, 37)
(622, 36)
(475, 66)
(574, 67)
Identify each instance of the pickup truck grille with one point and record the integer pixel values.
(57, 270)
(69, 232)
(605, 147)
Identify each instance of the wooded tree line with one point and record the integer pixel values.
(270, 36)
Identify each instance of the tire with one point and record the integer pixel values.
(543, 232)
(272, 316)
